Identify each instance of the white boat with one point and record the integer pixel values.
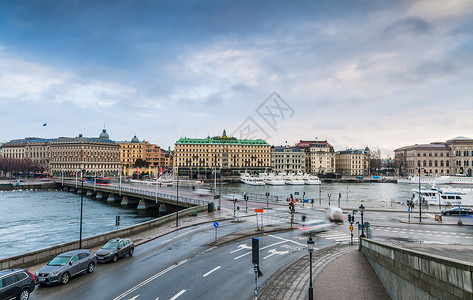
(443, 196)
(293, 179)
(272, 179)
(251, 179)
(444, 179)
(311, 179)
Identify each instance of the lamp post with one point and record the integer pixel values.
(310, 245)
(177, 197)
(81, 206)
(362, 210)
(420, 200)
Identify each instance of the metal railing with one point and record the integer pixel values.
(118, 189)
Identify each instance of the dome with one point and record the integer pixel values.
(135, 140)
(104, 135)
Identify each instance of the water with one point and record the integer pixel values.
(31, 220)
(374, 195)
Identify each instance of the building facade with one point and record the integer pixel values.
(433, 158)
(224, 153)
(353, 162)
(322, 158)
(461, 155)
(97, 156)
(130, 152)
(287, 159)
(154, 155)
(35, 149)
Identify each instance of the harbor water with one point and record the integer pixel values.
(30, 220)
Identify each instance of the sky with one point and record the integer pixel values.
(379, 74)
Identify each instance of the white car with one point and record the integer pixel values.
(335, 214)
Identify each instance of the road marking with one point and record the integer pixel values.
(210, 272)
(260, 249)
(241, 247)
(274, 252)
(134, 298)
(177, 295)
(150, 279)
(277, 237)
(180, 235)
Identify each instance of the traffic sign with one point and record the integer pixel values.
(366, 224)
(296, 193)
(351, 227)
(215, 224)
(259, 210)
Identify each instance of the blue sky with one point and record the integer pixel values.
(382, 74)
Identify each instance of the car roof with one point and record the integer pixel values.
(118, 239)
(73, 252)
(11, 271)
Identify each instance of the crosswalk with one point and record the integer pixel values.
(337, 236)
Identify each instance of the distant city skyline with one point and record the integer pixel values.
(382, 74)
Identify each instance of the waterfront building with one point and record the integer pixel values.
(168, 159)
(33, 148)
(97, 156)
(154, 155)
(322, 158)
(287, 159)
(461, 155)
(197, 158)
(433, 158)
(130, 151)
(353, 162)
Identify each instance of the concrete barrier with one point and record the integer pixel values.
(45, 254)
(410, 274)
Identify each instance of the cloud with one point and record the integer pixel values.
(409, 25)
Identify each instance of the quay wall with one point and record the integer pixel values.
(410, 274)
(46, 254)
(6, 186)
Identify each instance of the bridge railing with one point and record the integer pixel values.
(118, 189)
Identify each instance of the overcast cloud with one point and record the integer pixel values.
(382, 74)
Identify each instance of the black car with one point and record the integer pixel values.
(16, 284)
(455, 211)
(115, 249)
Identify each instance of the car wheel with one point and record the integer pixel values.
(130, 253)
(115, 258)
(24, 294)
(91, 267)
(65, 278)
(448, 214)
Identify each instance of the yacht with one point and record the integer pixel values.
(444, 179)
(443, 196)
(311, 179)
(272, 179)
(293, 179)
(251, 179)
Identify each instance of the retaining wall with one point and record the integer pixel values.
(45, 254)
(410, 274)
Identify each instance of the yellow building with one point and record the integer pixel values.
(229, 155)
(130, 152)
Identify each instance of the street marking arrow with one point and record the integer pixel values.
(241, 247)
(274, 252)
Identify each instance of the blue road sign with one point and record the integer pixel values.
(409, 210)
(215, 224)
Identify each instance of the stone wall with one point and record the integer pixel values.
(45, 254)
(410, 274)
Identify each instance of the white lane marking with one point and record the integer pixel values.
(260, 249)
(177, 295)
(431, 216)
(277, 237)
(211, 271)
(134, 298)
(274, 252)
(149, 280)
(210, 249)
(241, 247)
(180, 235)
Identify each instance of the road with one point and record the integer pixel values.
(185, 264)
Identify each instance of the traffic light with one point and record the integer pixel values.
(304, 218)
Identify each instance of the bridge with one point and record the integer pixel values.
(132, 196)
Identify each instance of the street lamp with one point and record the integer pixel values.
(420, 200)
(310, 245)
(81, 206)
(362, 210)
(177, 197)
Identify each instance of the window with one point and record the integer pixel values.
(83, 255)
(75, 258)
(8, 280)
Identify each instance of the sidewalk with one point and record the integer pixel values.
(338, 272)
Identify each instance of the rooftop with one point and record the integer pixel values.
(224, 139)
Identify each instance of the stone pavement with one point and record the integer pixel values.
(338, 272)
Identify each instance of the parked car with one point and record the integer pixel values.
(16, 284)
(61, 268)
(455, 211)
(115, 249)
(335, 214)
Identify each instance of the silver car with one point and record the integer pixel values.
(61, 268)
(115, 249)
